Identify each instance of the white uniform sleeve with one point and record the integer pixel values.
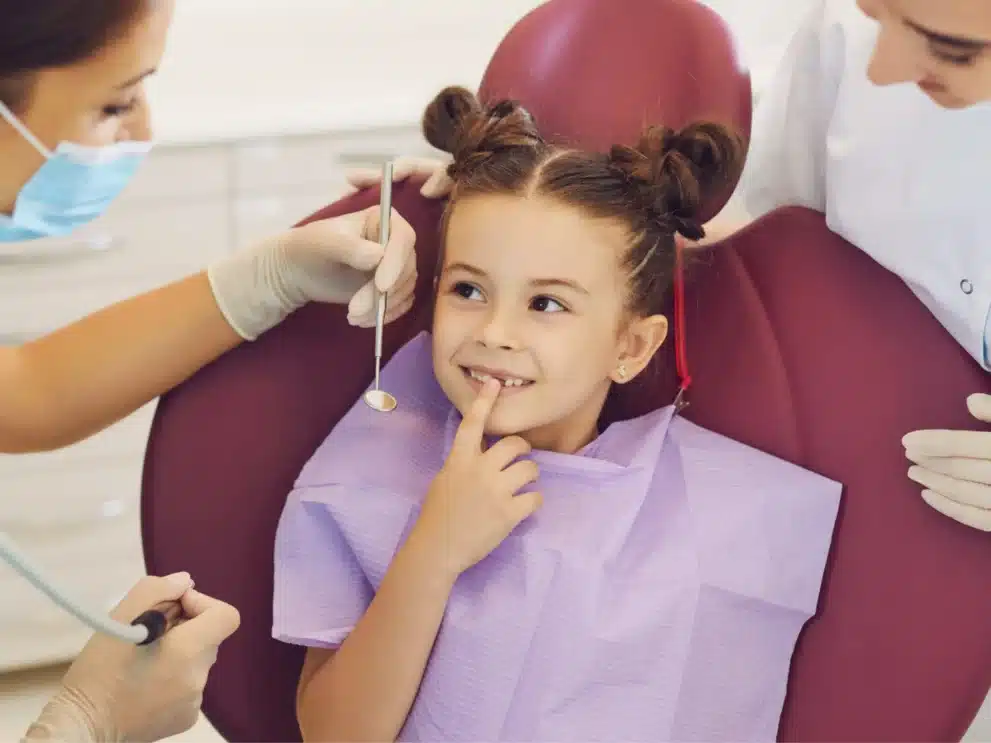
(786, 161)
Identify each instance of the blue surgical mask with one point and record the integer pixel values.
(74, 186)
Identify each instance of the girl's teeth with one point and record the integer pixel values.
(505, 382)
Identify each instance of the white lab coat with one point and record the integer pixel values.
(896, 175)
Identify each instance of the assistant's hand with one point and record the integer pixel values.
(955, 468)
(438, 184)
(337, 260)
(118, 691)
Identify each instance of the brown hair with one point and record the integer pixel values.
(44, 34)
(656, 189)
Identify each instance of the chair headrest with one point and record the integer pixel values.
(594, 72)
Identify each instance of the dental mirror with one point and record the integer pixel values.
(377, 398)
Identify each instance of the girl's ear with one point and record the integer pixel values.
(637, 346)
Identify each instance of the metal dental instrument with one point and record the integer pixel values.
(377, 398)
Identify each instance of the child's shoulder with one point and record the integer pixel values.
(723, 459)
(765, 524)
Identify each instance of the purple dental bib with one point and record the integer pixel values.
(656, 596)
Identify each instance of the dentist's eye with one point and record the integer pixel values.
(467, 291)
(119, 109)
(546, 304)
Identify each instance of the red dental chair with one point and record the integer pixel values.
(797, 344)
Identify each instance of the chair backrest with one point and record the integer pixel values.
(802, 346)
(798, 344)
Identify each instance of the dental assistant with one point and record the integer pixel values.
(74, 128)
(879, 116)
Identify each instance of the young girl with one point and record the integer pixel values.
(516, 574)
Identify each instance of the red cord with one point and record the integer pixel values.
(681, 352)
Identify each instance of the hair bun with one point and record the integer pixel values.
(677, 171)
(452, 111)
(456, 122)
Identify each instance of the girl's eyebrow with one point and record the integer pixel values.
(466, 267)
(574, 285)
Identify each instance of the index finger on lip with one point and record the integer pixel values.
(472, 429)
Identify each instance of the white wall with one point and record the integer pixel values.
(237, 67)
(258, 66)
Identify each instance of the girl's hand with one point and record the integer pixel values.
(472, 504)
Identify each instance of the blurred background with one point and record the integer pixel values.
(259, 108)
(240, 67)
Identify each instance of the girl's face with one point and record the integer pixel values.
(534, 292)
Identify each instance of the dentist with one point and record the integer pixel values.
(879, 116)
(74, 127)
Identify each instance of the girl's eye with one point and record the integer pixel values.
(466, 291)
(119, 109)
(546, 304)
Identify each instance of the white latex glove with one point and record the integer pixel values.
(437, 186)
(334, 260)
(118, 691)
(955, 468)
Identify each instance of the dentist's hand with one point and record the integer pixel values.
(336, 260)
(955, 468)
(438, 184)
(117, 691)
